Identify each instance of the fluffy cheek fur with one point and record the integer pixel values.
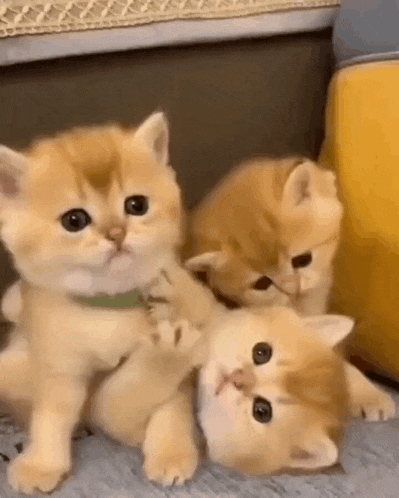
(219, 421)
(80, 262)
(236, 440)
(319, 272)
(47, 256)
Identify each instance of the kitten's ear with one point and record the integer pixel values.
(318, 451)
(207, 260)
(332, 329)
(12, 167)
(298, 188)
(154, 134)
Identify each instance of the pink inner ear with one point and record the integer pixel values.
(8, 184)
(160, 144)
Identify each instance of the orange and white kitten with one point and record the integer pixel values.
(268, 234)
(272, 392)
(273, 395)
(90, 212)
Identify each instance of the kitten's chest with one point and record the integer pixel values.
(78, 334)
(111, 334)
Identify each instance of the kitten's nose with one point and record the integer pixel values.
(117, 235)
(243, 379)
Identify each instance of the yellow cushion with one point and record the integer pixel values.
(362, 145)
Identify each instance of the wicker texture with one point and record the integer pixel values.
(24, 17)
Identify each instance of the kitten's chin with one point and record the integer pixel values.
(122, 274)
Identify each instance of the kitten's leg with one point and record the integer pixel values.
(57, 403)
(14, 367)
(171, 454)
(11, 302)
(177, 294)
(15, 381)
(366, 399)
(124, 402)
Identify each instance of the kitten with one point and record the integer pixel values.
(268, 233)
(268, 361)
(273, 395)
(90, 214)
(272, 392)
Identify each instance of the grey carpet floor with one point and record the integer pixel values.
(105, 469)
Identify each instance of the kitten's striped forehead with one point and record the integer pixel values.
(309, 373)
(94, 168)
(318, 382)
(94, 155)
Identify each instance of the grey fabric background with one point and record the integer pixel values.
(105, 469)
(366, 30)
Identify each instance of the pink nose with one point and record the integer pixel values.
(240, 379)
(117, 235)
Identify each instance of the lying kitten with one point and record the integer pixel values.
(272, 393)
(268, 233)
(87, 215)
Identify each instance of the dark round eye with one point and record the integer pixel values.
(261, 353)
(262, 410)
(136, 205)
(263, 283)
(302, 260)
(75, 220)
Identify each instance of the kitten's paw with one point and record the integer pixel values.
(179, 336)
(374, 406)
(173, 466)
(159, 297)
(28, 475)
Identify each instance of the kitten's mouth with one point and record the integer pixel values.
(118, 253)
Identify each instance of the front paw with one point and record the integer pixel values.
(179, 337)
(374, 406)
(29, 475)
(174, 465)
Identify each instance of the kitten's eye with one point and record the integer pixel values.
(75, 220)
(136, 205)
(262, 410)
(302, 260)
(261, 353)
(263, 283)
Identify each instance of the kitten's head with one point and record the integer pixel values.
(272, 394)
(94, 210)
(269, 232)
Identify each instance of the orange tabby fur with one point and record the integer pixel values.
(113, 252)
(259, 217)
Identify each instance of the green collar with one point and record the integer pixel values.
(129, 300)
